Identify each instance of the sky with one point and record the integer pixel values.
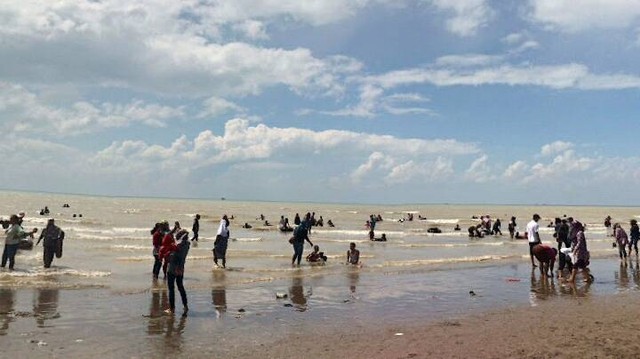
(351, 101)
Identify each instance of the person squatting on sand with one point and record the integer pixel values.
(222, 240)
(546, 257)
(52, 236)
(14, 234)
(533, 236)
(300, 234)
(353, 255)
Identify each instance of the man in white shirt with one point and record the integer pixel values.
(533, 236)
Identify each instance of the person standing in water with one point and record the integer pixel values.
(222, 240)
(14, 234)
(175, 272)
(533, 236)
(353, 255)
(51, 234)
(196, 227)
(300, 234)
(157, 234)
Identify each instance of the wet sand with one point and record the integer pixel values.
(602, 327)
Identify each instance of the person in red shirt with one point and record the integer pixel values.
(158, 233)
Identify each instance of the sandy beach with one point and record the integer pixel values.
(604, 327)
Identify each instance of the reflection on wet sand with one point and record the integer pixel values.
(354, 278)
(219, 293)
(7, 299)
(622, 275)
(544, 288)
(159, 301)
(297, 295)
(46, 306)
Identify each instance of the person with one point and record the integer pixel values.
(157, 234)
(580, 254)
(168, 245)
(175, 271)
(296, 220)
(330, 223)
(562, 237)
(533, 236)
(622, 240)
(320, 222)
(512, 227)
(46, 210)
(381, 239)
(247, 225)
(316, 256)
(546, 257)
(457, 227)
(195, 228)
(222, 240)
(497, 225)
(607, 225)
(634, 235)
(14, 234)
(300, 234)
(51, 234)
(353, 255)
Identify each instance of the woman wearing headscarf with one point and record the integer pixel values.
(222, 239)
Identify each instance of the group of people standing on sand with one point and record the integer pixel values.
(16, 238)
(574, 256)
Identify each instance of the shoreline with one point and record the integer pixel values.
(598, 327)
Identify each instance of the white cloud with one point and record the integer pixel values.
(516, 171)
(469, 15)
(573, 16)
(555, 147)
(468, 60)
(23, 111)
(216, 106)
(252, 29)
(479, 170)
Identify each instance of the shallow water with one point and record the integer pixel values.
(102, 286)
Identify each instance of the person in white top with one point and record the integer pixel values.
(533, 236)
(222, 239)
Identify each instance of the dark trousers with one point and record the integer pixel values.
(9, 253)
(562, 258)
(298, 248)
(156, 266)
(177, 280)
(47, 256)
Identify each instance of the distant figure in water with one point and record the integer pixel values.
(497, 225)
(247, 225)
(196, 227)
(381, 239)
(296, 220)
(512, 227)
(330, 224)
(457, 228)
(353, 255)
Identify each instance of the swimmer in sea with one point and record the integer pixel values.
(316, 256)
(353, 255)
(381, 239)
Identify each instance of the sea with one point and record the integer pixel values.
(100, 300)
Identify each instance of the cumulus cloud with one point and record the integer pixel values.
(479, 170)
(555, 147)
(571, 16)
(23, 111)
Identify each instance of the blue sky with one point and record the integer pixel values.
(371, 101)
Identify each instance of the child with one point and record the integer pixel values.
(316, 256)
(353, 255)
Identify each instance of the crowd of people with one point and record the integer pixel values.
(171, 245)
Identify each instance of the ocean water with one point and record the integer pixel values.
(102, 286)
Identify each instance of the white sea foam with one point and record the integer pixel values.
(444, 221)
(248, 239)
(54, 272)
